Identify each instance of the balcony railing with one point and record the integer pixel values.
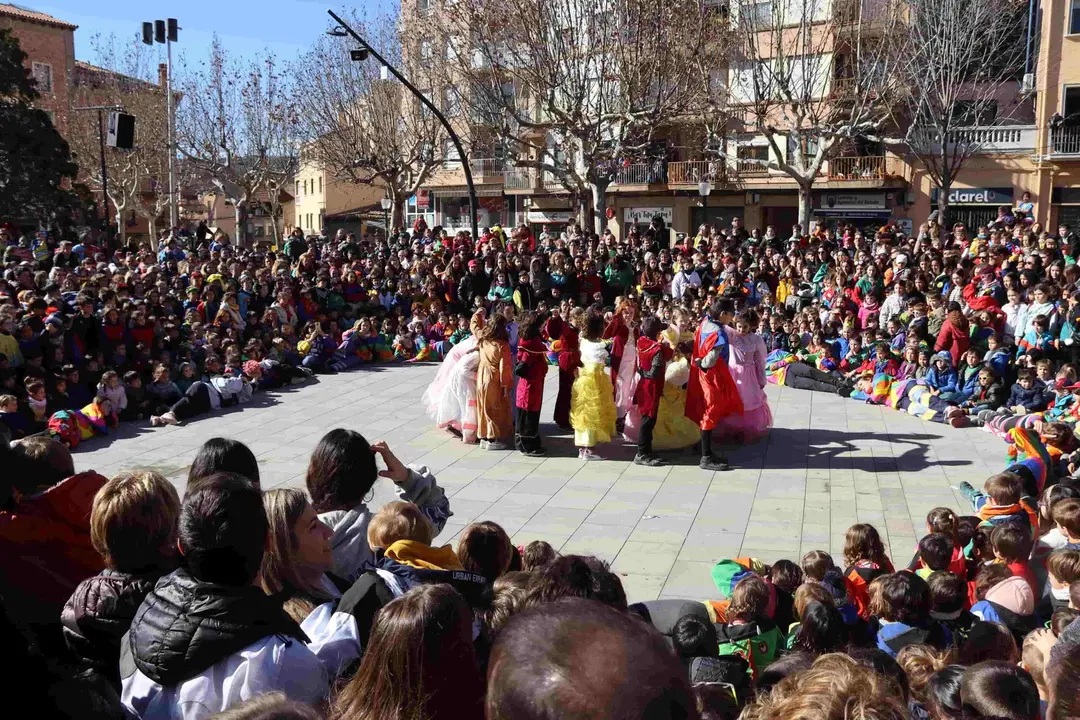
(748, 167)
(487, 170)
(692, 172)
(641, 174)
(1065, 141)
(871, 167)
(995, 139)
(519, 179)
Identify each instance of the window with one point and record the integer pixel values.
(975, 112)
(424, 108)
(320, 184)
(1070, 106)
(451, 160)
(1074, 17)
(760, 14)
(42, 73)
(426, 50)
(297, 187)
(423, 6)
(450, 105)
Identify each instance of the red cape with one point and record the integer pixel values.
(711, 394)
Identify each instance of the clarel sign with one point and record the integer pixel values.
(977, 196)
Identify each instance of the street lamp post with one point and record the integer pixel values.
(386, 203)
(365, 47)
(166, 32)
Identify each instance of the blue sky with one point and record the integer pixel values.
(287, 27)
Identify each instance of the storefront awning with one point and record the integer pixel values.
(462, 191)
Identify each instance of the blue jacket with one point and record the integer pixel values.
(998, 360)
(945, 381)
(1033, 400)
(892, 638)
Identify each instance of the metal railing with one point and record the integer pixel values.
(692, 172)
(747, 167)
(1065, 140)
(519, 179)
(870, 167)
(640, 174)
(488, 169)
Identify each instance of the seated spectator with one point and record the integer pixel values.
(866, 561)
(206, 636)
(419, 663)
(935, 555)
(537, 554)
(340, 475)
(988, 641)
(576, 576)
(1003, 501)
(749, 632)
(902, 600)
(133, 526)
(1062, 569)
(949, 594)
(943, 701)
(586, 651)
(836, 687)
(995, 689)
(484, 548)
(218, 455)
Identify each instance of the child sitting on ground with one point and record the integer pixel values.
(949, 594)
(749, 632)
(1066, 515)
(902, 600)
(1002, 502)
(485, 549)
(18, 424)
(866, 560)
(1062, 570)
(935, 555)
(133, 525)
(1012, 547)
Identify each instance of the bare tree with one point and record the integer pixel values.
(812, 77)
(361, 128)
(576, 88)
(124, 75)
(237, 125)
(959, 61)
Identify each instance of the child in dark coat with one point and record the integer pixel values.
(652, 360)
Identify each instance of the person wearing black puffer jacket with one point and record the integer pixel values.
(207, 637)
(133, 527)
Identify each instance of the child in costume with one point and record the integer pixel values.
(563, 335)
(748, 371)
(652, 360)
(494, 383)
(712, 394)
(531, 369)
(620, 331)
(72, 426)
(592, 407)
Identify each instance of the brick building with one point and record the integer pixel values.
(49, 44)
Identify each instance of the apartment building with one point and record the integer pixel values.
(1036, 150)
(322, 202)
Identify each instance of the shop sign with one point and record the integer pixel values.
(644, 215)
(852, 201)
(548, 217)
(976, 196)
(423, 199)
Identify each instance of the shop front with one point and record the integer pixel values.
(552, 222)
(641, 217)
(452, 208)
(974, 206)
(867, 210)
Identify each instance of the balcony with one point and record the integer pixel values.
(750, 167)
(1065, 141)
(1018, 138)
(692, 172)
(519, 179)
(487, 170)
(863, 168)
(640, 174)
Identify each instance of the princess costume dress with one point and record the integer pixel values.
(592, 408)
(747, 365)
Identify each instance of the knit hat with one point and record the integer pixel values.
(944, 355)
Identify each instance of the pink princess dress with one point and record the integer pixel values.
(747, 365)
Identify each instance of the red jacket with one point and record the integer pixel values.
(711, 394)
(45, 549)
(530, 388)
(954, 340)
(650, 389)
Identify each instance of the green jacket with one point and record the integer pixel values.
(758, 643)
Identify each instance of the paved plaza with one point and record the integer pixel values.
(829, 463)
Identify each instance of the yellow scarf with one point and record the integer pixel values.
(425, 557)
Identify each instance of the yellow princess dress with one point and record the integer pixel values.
(592, 398)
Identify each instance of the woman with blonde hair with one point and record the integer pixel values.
(298, 555)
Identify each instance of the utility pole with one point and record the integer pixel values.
(167, 32)
(101, 140)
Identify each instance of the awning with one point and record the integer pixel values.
(463, 191)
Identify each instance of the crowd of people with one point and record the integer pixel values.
(120, 599)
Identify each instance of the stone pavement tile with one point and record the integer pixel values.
(508, 470)
(573, 497)
(639, 588)
(526, 536)
(691, 580)
(603, 541)
(773, 536)
(707, 546)
(556, 521)
(617, 512)
(771, 555)
(468, 510)
(645, 558)
(662, 529)
(485, 489)
(519, 503)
